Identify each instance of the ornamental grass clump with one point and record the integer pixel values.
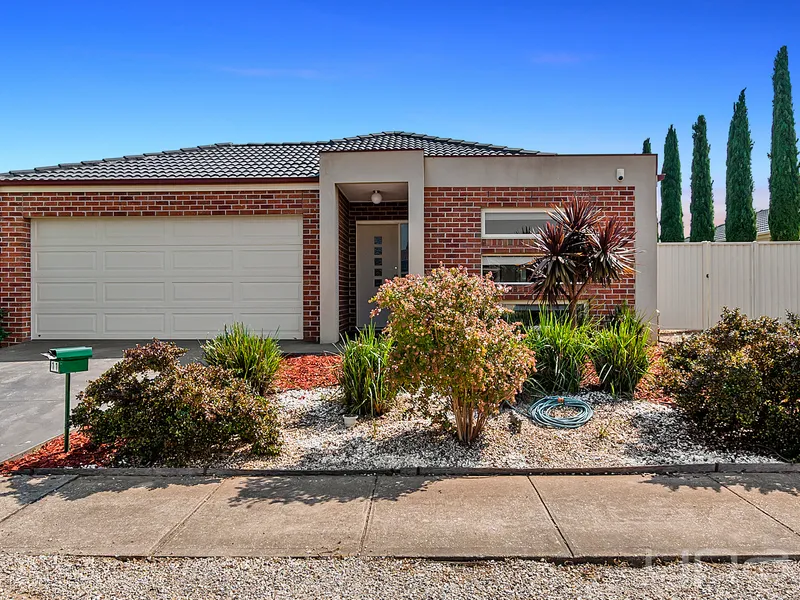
(154, 410)
(252, 357)
(362, 376)
(619, 353)
(561, 350)
(453, 348)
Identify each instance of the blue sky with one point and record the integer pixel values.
(85, 80)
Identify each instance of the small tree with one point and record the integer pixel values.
(646, 149)
(784, 187)
(740, 217)
(702, 205)
(671, 208)
(453, 345)
(579, 249)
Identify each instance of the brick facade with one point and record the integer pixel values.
(18, 208)
(453, 228)
(452, 233)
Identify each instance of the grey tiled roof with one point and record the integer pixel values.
(762, 226)
(232, 161)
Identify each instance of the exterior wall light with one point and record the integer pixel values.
(376, 197)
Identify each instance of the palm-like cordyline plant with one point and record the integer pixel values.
(578, 249)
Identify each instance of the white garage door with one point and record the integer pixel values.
(173, 278)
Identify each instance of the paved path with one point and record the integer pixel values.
(32, 398)
(557, 517)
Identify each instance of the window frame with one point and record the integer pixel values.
(510, 236)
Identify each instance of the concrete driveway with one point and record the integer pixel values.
(32, 398)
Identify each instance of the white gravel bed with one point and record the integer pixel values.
(621, 433)
(55, 577)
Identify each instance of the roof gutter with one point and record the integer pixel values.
(167, 181)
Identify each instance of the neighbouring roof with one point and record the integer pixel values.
(762, 226)
(257, 161)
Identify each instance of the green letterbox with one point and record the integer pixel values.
(69, 360)
(64, 361)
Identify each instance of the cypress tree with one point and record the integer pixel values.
(702, 205)
(740, 216)
(671, 209)
(784, 187)
(646, 147)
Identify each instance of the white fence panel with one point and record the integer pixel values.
(778, 278)
(730, 278)
(695, 281)
(680, 276)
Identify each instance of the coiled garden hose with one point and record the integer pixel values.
(541, 412)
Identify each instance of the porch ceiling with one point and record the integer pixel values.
(361, 192)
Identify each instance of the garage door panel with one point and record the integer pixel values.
(131, 324)
(67, 324)
(64, 262)
(275, 262)
(253, 292)
(130, 231)
(64, 232)
(202, 292)
(134, 291)
(133, 260)
(285, 326)
(202, 259)
(67, 292)
(140, 277)
(200, 324)
(275, 231)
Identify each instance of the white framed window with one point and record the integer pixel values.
(513, 223)
(508, 270)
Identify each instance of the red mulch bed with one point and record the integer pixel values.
(649, 388)
(307, 372)
(51, 455)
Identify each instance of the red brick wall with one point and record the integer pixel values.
(346, 273)
(17, 208)
(453, 227)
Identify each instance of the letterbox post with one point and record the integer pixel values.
(65, 361)
(66, 413)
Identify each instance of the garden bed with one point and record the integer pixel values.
(622, 433)
(648, 430)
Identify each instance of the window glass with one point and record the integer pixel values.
(507, 269)
(511, 224)
(403, 249)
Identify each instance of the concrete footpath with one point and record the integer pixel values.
(633, 517)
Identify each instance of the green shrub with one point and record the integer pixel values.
(3, 332)
(365, 386)
(619, 353)
(561, 349)
(738, 381)
(251, 357)
(453, 345)
(155, 410)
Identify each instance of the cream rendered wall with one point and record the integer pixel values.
(570, 170)
(364, 167)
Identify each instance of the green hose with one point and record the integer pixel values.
(540, 412)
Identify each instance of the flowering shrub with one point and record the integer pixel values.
(738, 380)
(155, 410)
(453, 345)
